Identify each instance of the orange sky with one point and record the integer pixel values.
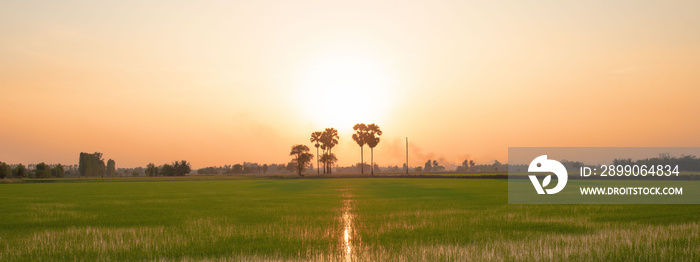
(223, 83)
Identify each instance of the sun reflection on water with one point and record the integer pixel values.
(348, 226)
(347, 219)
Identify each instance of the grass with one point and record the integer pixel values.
(385, 219)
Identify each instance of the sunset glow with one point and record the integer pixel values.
(343, 90)
(225, 83)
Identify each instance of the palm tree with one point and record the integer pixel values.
(329, 139)
(372, 139)
(329, 158)
(316, 138)
(359, 137)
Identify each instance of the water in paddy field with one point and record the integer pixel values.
(348, 218)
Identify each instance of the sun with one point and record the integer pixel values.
(340, 91)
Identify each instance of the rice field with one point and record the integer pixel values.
(345, 219)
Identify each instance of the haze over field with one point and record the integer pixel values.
(223, 83)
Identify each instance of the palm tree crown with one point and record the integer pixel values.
(316, 138)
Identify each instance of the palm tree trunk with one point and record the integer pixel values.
(329, 160)
(362, 159)
(318, 168)
(324, 162)
(372, 160)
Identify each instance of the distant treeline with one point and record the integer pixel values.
(90, 165)
(684, 162)
(431, 166)
(177, 168)
(40, 170)
(93, 165)
(569, 165)
(247, 168)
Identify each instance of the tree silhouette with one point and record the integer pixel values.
(20, 171)
(58, 171)
(91, 164)
(359, 137)
(316, 139)
(302, 157)
(372, 139)
(167, 170)
(181, 168)
(329, 158)
(5, 170)
(151, 170)
(42, 170)
(111, 168)
(329, 139)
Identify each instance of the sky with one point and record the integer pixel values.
(223, 82)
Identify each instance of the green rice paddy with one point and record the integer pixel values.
(350, 219)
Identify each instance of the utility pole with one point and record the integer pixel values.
(406, 155)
